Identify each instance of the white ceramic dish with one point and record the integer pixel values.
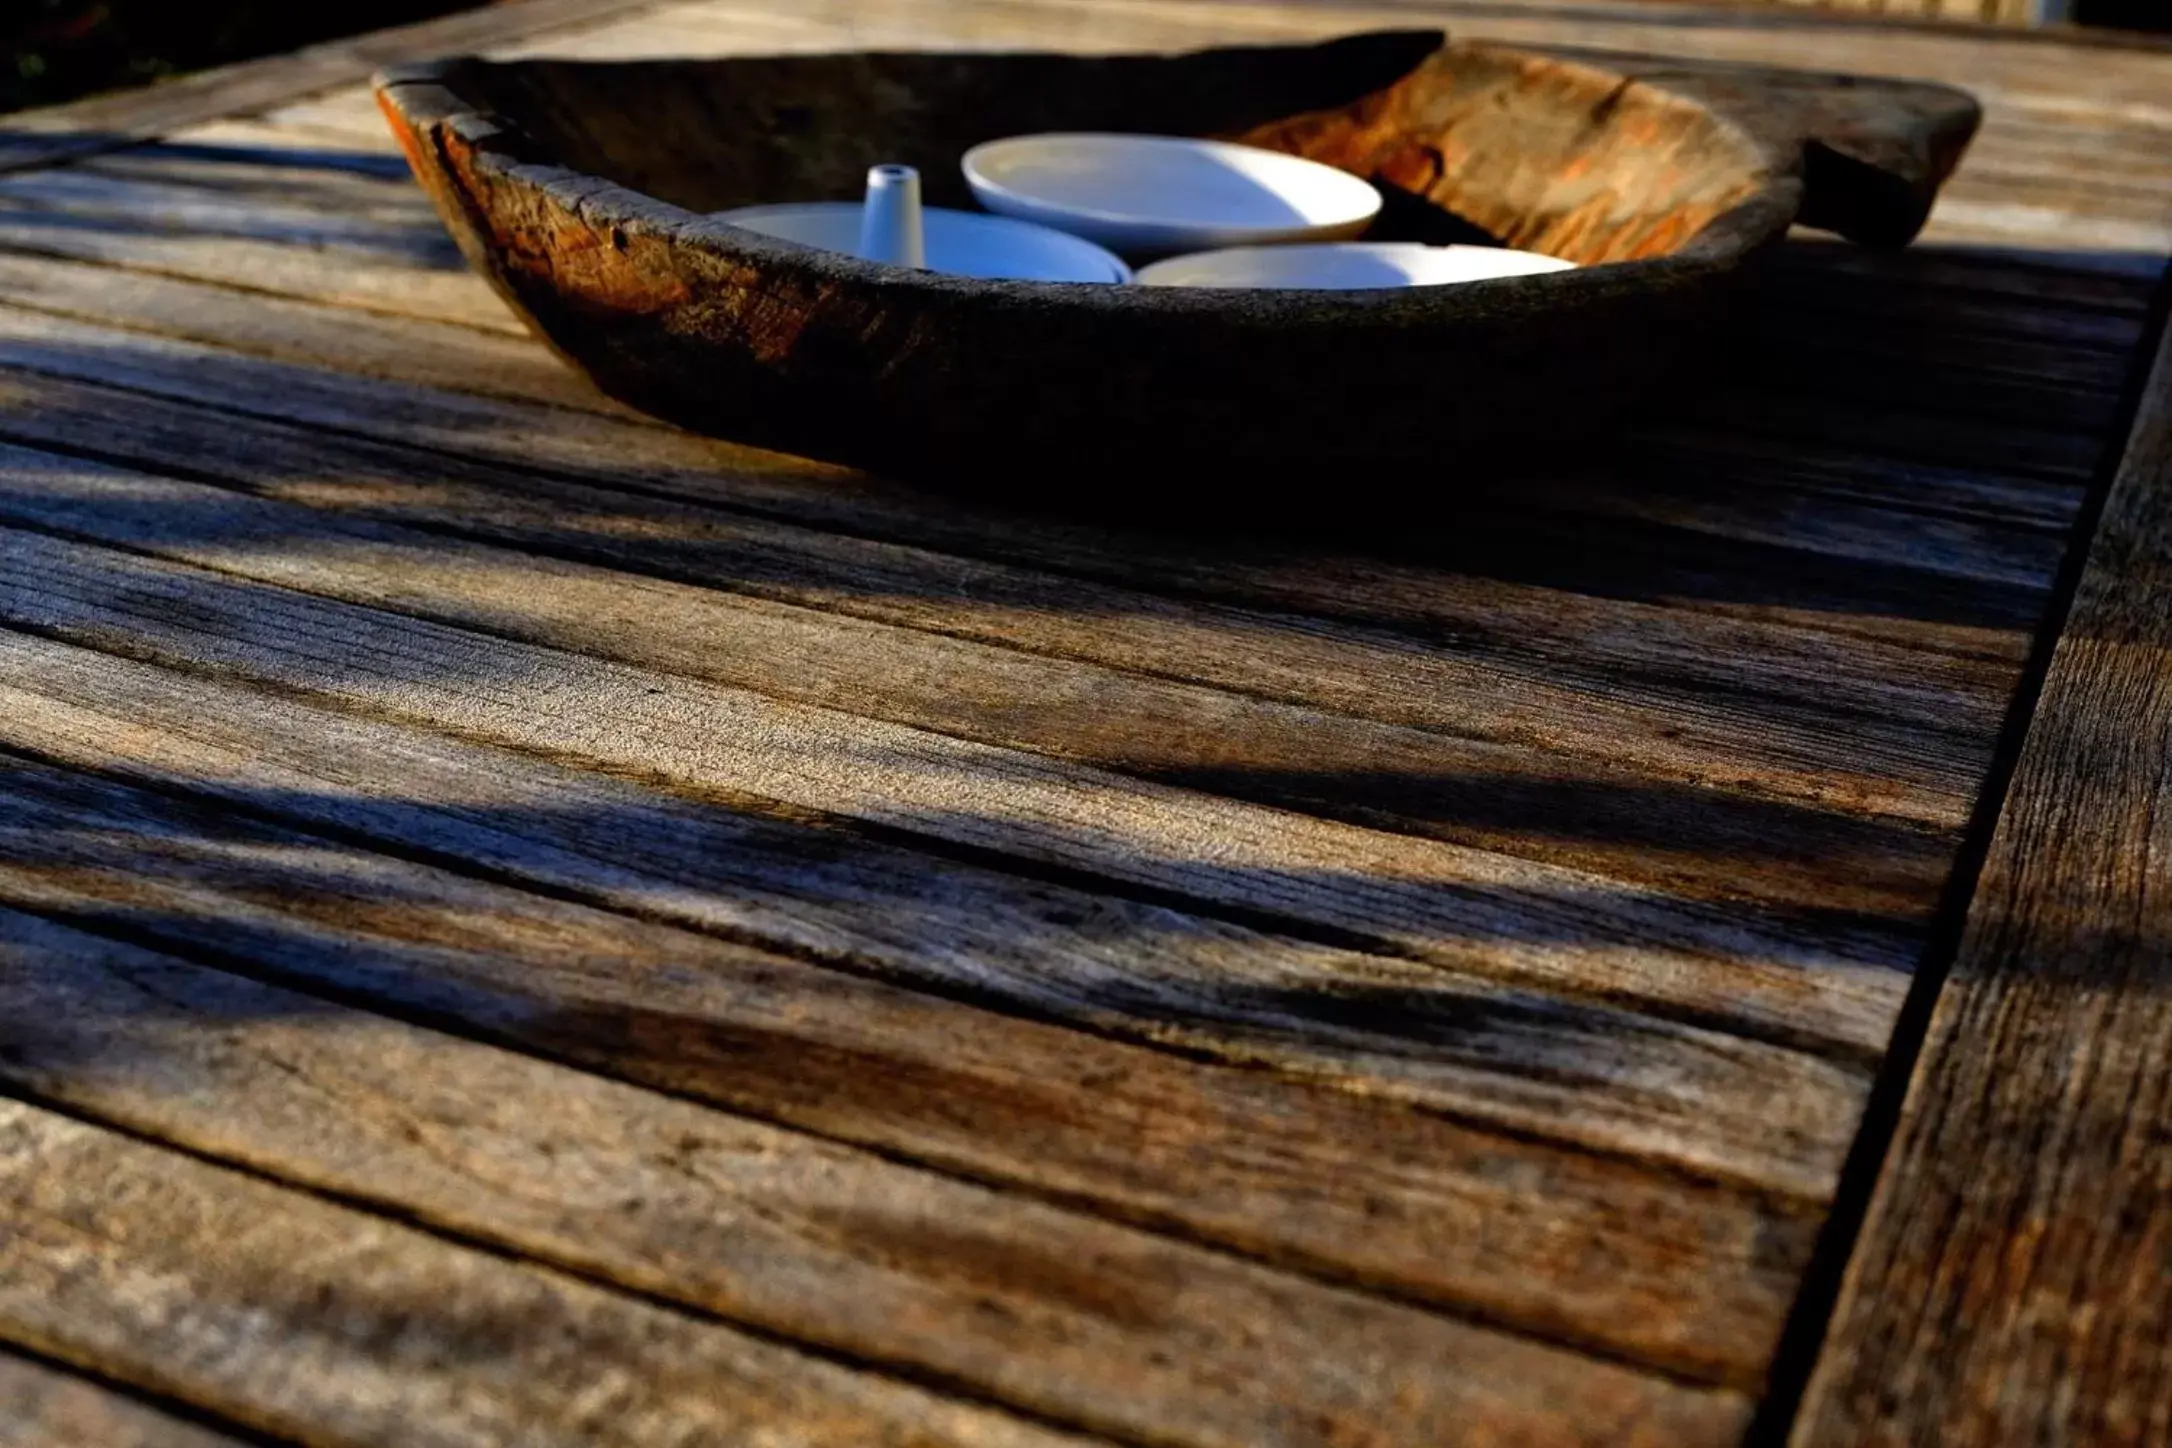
(1347, 266)
(962, 243)
(1158, 194)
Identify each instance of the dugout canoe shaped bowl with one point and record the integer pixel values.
(584, 192)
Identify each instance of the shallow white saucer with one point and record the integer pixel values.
(1347, 266)
(1146, 194)
(961, 243)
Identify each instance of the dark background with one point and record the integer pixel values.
(55, 50)
(2129, 14)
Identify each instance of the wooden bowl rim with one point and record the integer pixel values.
(424, 95)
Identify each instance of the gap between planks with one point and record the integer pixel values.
(1079, 1322)
(936, 680)
(821, 493)
(1511, 1230)
(54, 1407)
(288, 331)
(2013, 1294)
(1434, 1031)
(1530, 919)
(312, 1321)
(2016, 566)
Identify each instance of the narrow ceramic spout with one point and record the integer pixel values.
(890, 221)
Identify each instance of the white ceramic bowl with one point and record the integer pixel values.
(962, 243)
(1151, 194)
(1347, 266)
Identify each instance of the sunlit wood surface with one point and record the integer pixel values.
(521, 926)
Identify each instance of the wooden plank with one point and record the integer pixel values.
(2007, 278)
(350, 113)
(2018, 505)
(1896, 431)
(1512, 640)
(1449, 906)
(1426, 602)
(328, 1326)
(372, 154)
(393, 260)
(1565, 1245)
(724, 26)
(450, 357)
(434, 354)
(1452, 1039)
(370, 286)
(1929, 288)
(2008, 1286)
(85, 127)
(1985, 554)
(2130, 244)
(1702, 489)
(191, 189)
(2037, 384)
(43, 1407)
(1652, 816)
(746, 29)
(1098, 1326)
(373, 151)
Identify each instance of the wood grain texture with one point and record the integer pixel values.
(216, 227)
(1694, 1093)
(328, 1326)
(2001, 12)
(44, 1407)
(1521, 590)
(1100, 1326)
(312, 334)
(383, 769)
(1364, 585)
(435, 354)
(2009, 1284)
(1463, 910)
(1352, 1188)
(1825, 867)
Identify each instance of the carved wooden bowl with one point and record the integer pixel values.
(581, 190)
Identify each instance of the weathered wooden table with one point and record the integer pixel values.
(520, 926)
